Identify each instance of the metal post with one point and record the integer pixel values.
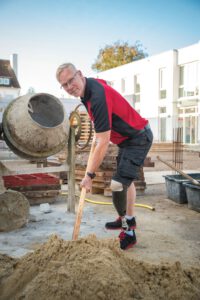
(71, 173)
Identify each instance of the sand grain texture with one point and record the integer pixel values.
(92, 269)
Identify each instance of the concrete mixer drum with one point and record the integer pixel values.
(35, 126)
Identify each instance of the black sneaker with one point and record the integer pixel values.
(131, 223)
(117, 224)
(121, 223)
(127, 241)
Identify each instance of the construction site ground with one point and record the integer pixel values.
(164, 264)
(170, 233)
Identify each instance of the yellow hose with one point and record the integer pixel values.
(110, 203)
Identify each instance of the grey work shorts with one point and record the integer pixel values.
(131, 157)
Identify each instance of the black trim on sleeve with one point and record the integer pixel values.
(122, 127)
(98, 102)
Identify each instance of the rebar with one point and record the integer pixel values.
(178, 148)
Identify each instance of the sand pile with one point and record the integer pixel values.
(14, 210)
(92, 269)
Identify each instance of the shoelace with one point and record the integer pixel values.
(122, 235)
(124, 224)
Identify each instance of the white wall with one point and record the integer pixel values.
(189, 54)
(148, 68)
(6, 96)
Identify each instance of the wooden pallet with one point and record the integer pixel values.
(140, 187)
(162, 147)
(85, 129)
(37, 188)
(101, 183)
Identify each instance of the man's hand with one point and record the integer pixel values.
(86, 183)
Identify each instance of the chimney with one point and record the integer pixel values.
(14, 63)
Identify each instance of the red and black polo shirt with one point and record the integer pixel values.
(110, 111)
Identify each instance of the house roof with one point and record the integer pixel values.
(7, 71)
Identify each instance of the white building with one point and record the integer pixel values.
(165, 89)
(70, 104)
(9, 85)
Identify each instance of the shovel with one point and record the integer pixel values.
(82, 197)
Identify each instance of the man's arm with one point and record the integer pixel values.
(102, 142)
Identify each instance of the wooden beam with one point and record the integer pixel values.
(82, 196)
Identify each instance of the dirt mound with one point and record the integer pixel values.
(14, 210)
(92, 269)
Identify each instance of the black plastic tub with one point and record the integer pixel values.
(176, 189)
(193, 196)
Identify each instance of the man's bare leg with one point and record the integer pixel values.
(131, 197)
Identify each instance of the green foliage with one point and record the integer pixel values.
(118, 54)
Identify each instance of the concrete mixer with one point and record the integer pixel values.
(34, 127)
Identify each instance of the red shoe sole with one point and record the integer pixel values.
(120, 228)
(132, 227)
(130, 246)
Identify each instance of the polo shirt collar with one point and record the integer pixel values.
(87, 93)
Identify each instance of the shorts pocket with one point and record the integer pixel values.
(129, 168)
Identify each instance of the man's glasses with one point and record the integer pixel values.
(69, 82)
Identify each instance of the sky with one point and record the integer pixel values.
(46, 33)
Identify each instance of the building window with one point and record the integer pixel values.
(188, 120)
(137, 83)
(188, 80)
(4, 81)
(123, 85)
(162, 110)
(162, 84)
(163, 129)
(137, 88)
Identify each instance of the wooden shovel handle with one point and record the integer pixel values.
(82, 197)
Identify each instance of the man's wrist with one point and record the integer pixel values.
(91, 175)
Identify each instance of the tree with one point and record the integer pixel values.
(118, 54)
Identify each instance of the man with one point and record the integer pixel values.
(116, 121)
